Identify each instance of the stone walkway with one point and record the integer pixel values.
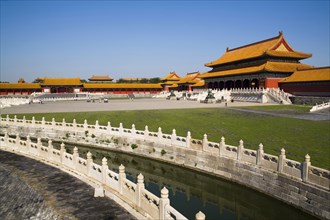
(116, 105)
(33, 190)
(317, 116)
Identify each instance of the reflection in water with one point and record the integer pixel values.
(191, 191)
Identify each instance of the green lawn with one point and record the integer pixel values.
(297, 136)
(296, 109)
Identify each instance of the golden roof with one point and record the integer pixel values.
(171, 76)
(276, 46)
(61, 81)
(174, 86)
(168, 83)
(199, 84)
(309, 75)
(121, 86)
(190, 78)
(20, 86)
(100, 78)
(282, 67)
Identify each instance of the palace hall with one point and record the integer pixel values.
(258, 65)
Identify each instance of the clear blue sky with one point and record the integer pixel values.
(147, 38)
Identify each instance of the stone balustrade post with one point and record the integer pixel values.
(109, 126)
(24, 120)
(62, 152)
(163, 202)
(89, 163)
(39, 144)
(53, 122)
(75, 157)
(105, 169)
(188, 140)
(15, 119)
(205, 142)
(74, 124)
(121, 178)
(85, 125)
(240, 149)
(6, 139)
(50, 150)
(28, 143)
(133, 130)
(222, 146)
(139, 189)
(305, 168)
(260, 154)
(43, 121)
(160, 134)
(33, 122)
(7, 120)
(281, 161)
(63, 124)
(146, 132)
(173, 137)
(200, 216)
(97, 126)
(18, 139)
(121, 128)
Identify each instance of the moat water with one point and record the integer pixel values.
(191, 191)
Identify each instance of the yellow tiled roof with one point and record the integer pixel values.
(268, 66)
(276, 46)
(309, 75)
(190, 78)
(121, 86)
(61, 81)
(174, 86)
(20, 86)
(100, 78)
(168, 83)
(199, 84)
(172, 76)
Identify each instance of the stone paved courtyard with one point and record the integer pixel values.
(115, 105)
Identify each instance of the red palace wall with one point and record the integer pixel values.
(307, 89)
(272, 82)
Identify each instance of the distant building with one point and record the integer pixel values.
(61, 85)
(257, 65)
(19, 88)
(100, 79)
(308, 82)
(188, 82)
(169, 80)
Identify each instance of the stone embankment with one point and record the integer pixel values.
(297, 183)
(34, 190)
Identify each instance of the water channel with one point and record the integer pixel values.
(191, 191)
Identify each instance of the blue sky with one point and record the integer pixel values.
(148, 38)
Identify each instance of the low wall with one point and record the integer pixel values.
(308, 100)
(298, 184)
(105, 180)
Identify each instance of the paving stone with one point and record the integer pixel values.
(33, 190)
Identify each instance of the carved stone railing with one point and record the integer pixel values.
(202, 154)
(319, 107)
(265, 161)
(134, 194)
(7, 101)
(260, 95)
